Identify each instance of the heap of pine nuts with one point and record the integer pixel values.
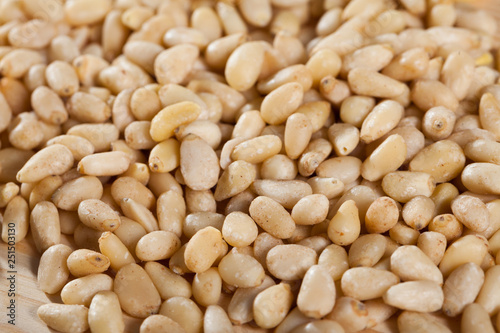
(295, 165)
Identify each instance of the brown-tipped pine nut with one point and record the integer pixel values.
(136, 292)
(418, 212)
(438, 123)
(62, 78)
(165, 156)
(344, 138)
(84, 262)
(316, 152)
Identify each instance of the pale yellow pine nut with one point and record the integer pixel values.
(171, 117)
(185, 35)
(81, 290)
(17, 62)
(244, 65)
(318, 113)
(143, 53)
(421, 296)
(35, 77)
(157, 245)
(249, 125)
(105, 313)
(128, 187)
(71, 193)
(207, 287)
(136, 292)
(26, 131)
(488, 296)
(200, 201)
(383, 118)
(79, 146)
(405, 185)
(285, 192)
(219, 50)
(354, 109)
(62, 78)
(135, 16)
(461, 288)
(167, 282)
(64, 318)
(88, 108)
(100, 135)
(478, 178)
(281, 103)
(80, 12)
(346, 168)
(409, 65)
(203, 249)
(371, 83)
(165, 156)
(104, 164)
(48, 105)
(205, 129)
(98, 215)
(417, 322)
(458, 72)
(44, 224)
(278, 167)
(310, 210)
(344, 228)
(113, 248)
(196, 152)
(418, 212)
(364, 283)
(167, 65)
(271, 305)
(316, 297)
(472, 212)
(185, 312)
(239, 229)
(241, 270)
(53, 272)
(298, 131)
(216, 320)
(367, 250)
(257, 150)
(468, 248)
(476, 319)
(157, 323)
(427, 94)
(8, 192)
(411, 264)
(373, 57)
(450, 156)
(291, 261)
(171, 211)
(205, 20)
(344, 138)
(386, 158)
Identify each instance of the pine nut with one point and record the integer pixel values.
(64, 318)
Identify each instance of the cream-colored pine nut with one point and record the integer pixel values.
(285, 192)
(281, 103)
(17, 62)
(53, 272)
(421, 296)
(167, 282)
(241, 270)
(71, 193)
(367, 250)
(346, 168)
(316, 297)
(461, 288)
(171, 117)
(158, 323)
(136, 292)
(310, 210)
(418, 322)
(468, 248)
(104, 164)
(207, 287)
(278, 167)
(383, 118)
(450, 156)
(44, 224)
(244, 65)
(26, 131)
(458, 72)
(185, 312)
(476, 319)
(386, 158)
(79, 146)
(330, 187)
(291, 261)
(479, 178)
(206, 21)
(105, 314)
(296, 73)
(98, 215)
(62, 78)
(448, 225)
(144, 104)
(373, 57)
(16, 213)
(410, 264)
(157, 245)
(199, 164)
(382, 215)
(165, 156)
(8, 192)
(135, 16)
(364, 283)
(298, 131)
(194, 222)
(85, 107)
(80, 12)
(404, 235)
(271, 305)
(405, 185)
(64, 318)
(205, 129)
(344, 138)
(488, 296)
(418, 212)
(82, 290)
(472, 212)
(427, 94)
(175, 63)
(203, 249)
(371, 83)
(128, 187)
(258, 149)
(100, 135)
(113, 248)
(48, 105)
